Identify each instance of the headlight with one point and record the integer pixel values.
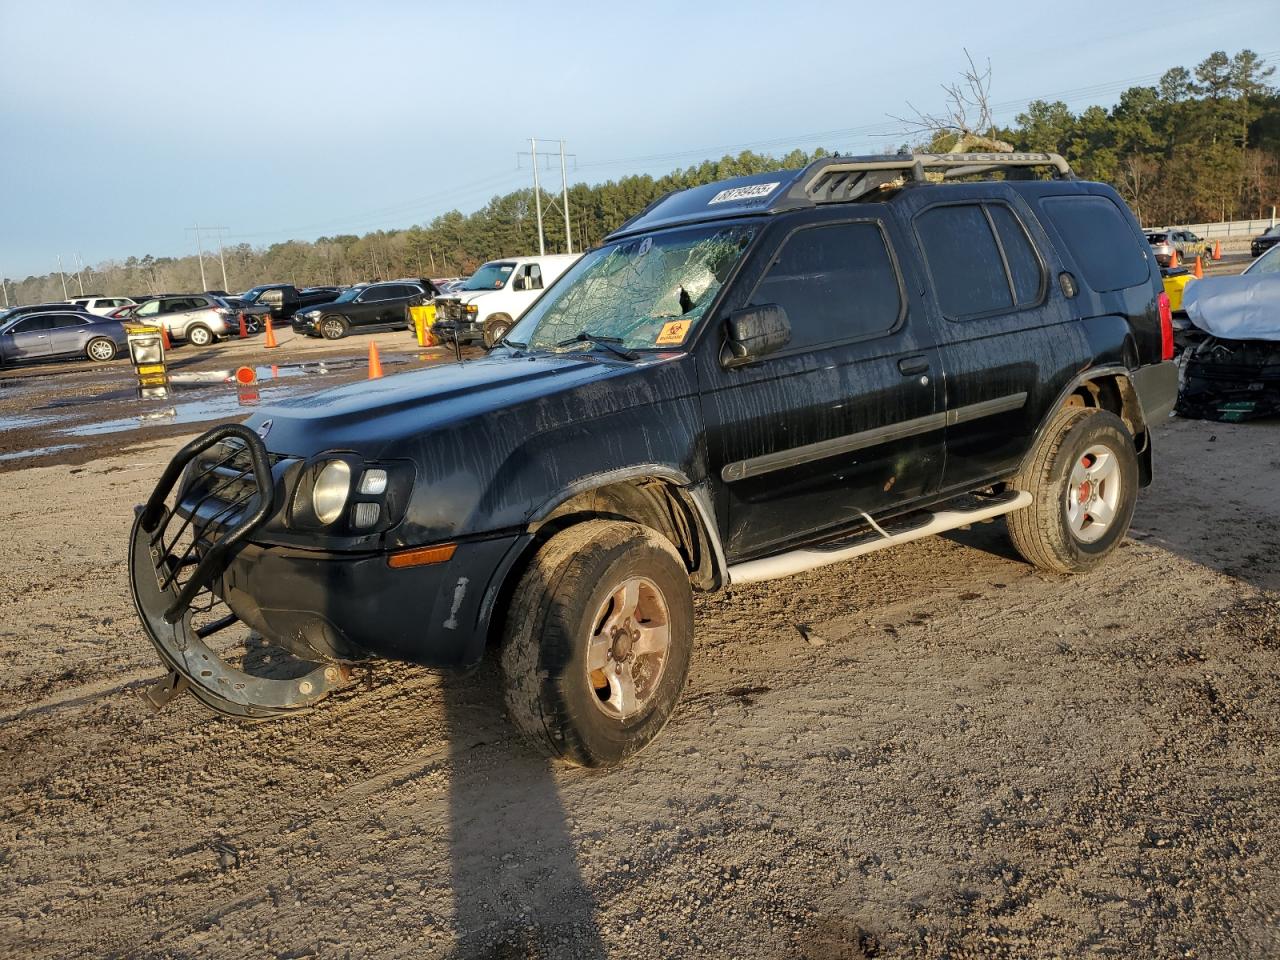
(329, 495)
(311, 313)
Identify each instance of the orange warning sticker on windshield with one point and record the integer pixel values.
(673, 333)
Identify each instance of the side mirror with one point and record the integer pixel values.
(754, 332)
(518, 283)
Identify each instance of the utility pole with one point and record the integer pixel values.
(200, 252)
(222, 260)
(537, 195)
(564, 187)
(79, 269)
(4, 285)
(65, 295)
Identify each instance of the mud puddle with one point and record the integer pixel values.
(38, 451)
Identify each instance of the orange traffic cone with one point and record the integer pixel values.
(1173, 258)
(1199, 271)
(1217, 250)
(164, 338)
(271, 334)
(244, 330)
(375, 365)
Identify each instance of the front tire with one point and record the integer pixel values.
(495, 328)
(100, 349)
(334, 328)
(1083, 479)
(597, 642)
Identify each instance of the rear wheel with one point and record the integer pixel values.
(100, 349)
(496, 327)
(334, 328)
(1083, 479)
(597, 644)
(199, 336)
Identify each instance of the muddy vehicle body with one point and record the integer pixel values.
(747, 380)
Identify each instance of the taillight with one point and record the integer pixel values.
(1166, 326)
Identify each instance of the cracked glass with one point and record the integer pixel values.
(650, 291)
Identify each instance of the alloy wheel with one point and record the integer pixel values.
(628, 648)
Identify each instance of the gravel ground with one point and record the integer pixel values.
(957, 756)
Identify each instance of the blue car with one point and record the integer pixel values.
(60, 335)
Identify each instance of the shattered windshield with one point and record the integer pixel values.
(491, 276)
(643, 292)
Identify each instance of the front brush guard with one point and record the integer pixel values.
(167, 603)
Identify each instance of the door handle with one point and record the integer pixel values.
(910, 366)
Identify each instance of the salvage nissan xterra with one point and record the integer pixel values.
(746, 380)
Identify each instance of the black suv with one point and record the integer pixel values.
(378, 304)
(747, 380)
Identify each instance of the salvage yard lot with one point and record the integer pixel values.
(934, 751)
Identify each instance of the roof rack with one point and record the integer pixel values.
(841, 179)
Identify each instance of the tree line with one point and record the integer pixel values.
(1201, 145)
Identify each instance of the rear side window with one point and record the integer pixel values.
(1100, 241)
(836, 282)
(964, 261)
(1025, 271)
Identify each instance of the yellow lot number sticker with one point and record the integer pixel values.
(673, 333)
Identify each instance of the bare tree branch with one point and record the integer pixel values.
(966, 115)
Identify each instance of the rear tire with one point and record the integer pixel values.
(597, 642)
(495, 328)
(1083, 479)
(100, 349)
(333, 328)
(199, 336)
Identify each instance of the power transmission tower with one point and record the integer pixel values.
(4, 285)
(65, 295)
(564, 193)
(537, 194)
(79, 269)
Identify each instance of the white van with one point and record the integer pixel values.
(493, 298)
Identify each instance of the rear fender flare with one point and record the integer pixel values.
(1133, 415)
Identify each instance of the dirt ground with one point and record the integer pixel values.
(966, 758)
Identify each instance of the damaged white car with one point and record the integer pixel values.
(1234, 373)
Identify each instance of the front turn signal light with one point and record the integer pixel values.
(421, 556)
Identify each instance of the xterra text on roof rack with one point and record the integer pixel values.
(747, 380)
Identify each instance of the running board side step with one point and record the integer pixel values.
(810, 558)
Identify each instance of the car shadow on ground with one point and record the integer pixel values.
(1178, 525)
(518, 890)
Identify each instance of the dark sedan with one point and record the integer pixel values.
(48, 336)
(1265, 241)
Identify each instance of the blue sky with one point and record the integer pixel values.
(123, 123)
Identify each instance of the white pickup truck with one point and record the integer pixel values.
(493, 298)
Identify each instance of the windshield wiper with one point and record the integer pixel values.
(504, 342)
(609, 343)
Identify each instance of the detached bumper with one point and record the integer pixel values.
(348, 607)
(466, 329)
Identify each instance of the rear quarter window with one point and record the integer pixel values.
(1100, 240)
